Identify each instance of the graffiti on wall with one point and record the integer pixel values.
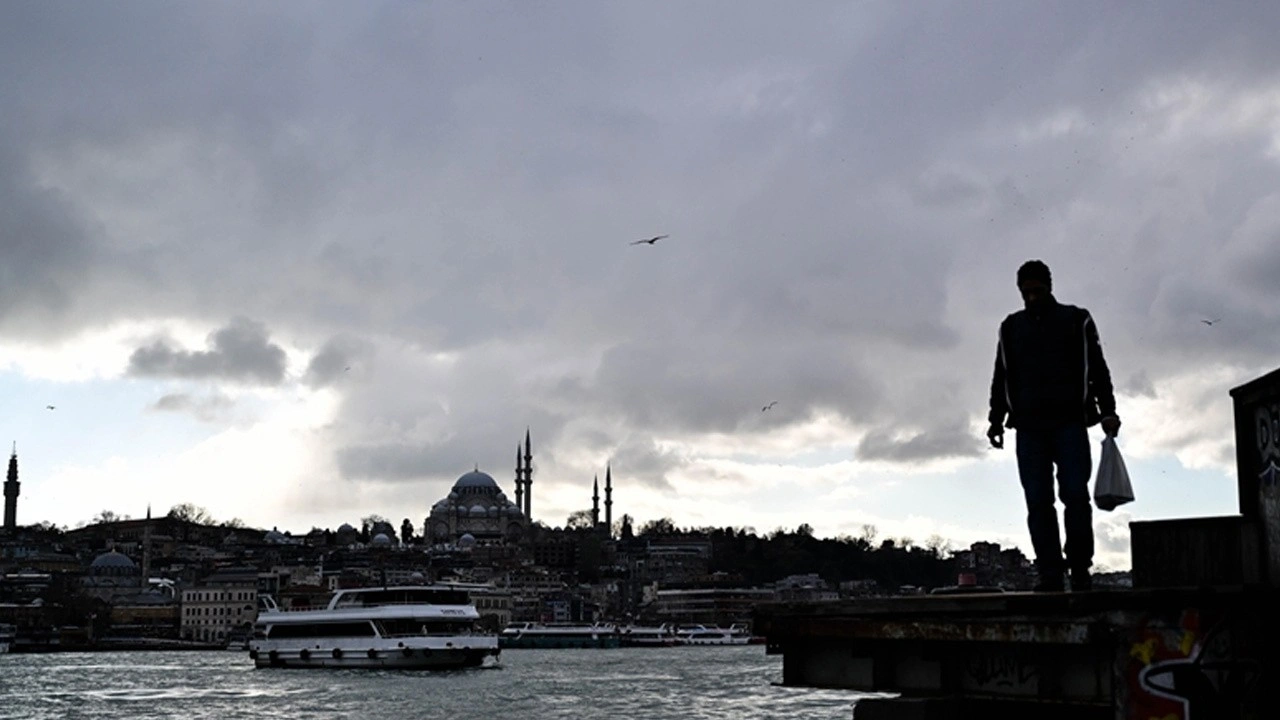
(1188, 670)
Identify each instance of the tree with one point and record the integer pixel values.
(234, 523)
(624, 529)
(107, 516)
(372, 520)
(406, 531)
(578, 520)
(661, 526)
(192, 513)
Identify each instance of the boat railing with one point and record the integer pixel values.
(364, 606)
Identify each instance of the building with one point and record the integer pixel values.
(217, 613)
(475, 506)
(709, 606)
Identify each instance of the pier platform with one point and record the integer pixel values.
(1197, 637)
(1159, 653)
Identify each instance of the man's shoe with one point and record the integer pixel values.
(1050, 583)
(1081, 580)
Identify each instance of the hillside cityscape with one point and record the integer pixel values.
(184, 579)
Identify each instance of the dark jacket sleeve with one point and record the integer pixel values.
(1099, 377)
(999, 404)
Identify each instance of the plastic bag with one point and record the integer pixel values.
(1111, 487)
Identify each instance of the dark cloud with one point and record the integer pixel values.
(450, 189)
(336, 359)
(207, 409)
(912, 445)
(241, 351)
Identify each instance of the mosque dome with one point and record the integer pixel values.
(476, 480)
(113, 563)
(346, 527)
(112, 560)
(478, 511)
(273, 536)
(467, 541)
(381, 540)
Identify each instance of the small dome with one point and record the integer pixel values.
(416, 577)
(478, 511)
(273, 536)
(381, 540)
(113, 559)
(467, 540)
(346, 527)
(475, 480)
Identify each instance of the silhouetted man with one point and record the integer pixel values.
(1051, 382)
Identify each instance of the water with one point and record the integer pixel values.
(699, 683)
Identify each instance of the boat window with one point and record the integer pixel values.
(310, 630)
(405, 596)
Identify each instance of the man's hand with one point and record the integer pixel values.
(1111, 425)
(995, 434)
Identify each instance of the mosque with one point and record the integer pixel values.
(476, 505)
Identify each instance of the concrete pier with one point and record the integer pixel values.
(1197, 637)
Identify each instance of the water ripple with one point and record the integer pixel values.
(696, 683)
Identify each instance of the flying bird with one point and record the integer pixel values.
(770, 405)
(1210, 322)
(649, 241)
(49, 407)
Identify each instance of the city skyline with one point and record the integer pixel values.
(305, 263)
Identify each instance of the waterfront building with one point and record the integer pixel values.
(709, 606)
(216, 613)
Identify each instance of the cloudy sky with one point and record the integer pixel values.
(303, 262)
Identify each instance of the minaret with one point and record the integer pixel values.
(595, 503)
(528, 477)
(11, 494)
(608, 501)
(146, 551)
(519, 481)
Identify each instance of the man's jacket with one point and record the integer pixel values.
(1049, 369)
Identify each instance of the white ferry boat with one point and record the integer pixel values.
(560, 635)
(713, 635)
(648, 636)
(420, 626)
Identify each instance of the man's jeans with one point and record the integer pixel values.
(1038, 452)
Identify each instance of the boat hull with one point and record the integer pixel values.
(528, 642)
(401, 656)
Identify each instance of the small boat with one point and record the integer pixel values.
(418, 626)
(713, 635)
(560, 635)
(648, 636)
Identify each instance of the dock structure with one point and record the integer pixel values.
(1196, 638)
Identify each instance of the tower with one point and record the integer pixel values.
(608, 501)
(146, 551)
(519, 481)
(11, 493)
(528, 477)
(595, 503)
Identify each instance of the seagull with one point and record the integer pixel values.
(649, 241)
(346, 368)
(49, 407)
(1210, 322)
(766, 407)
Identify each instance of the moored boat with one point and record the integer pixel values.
(560, 635)
(648, 636)
(713, 635)
(429, 627)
